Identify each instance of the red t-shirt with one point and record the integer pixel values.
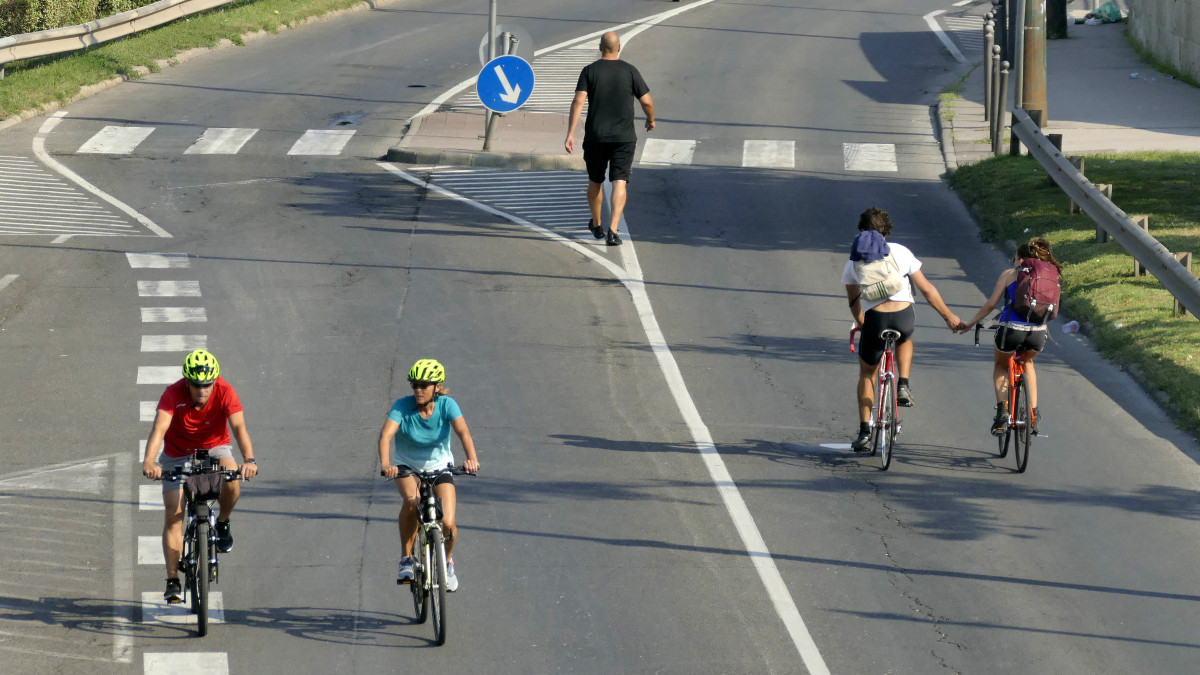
(193, 429)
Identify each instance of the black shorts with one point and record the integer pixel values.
(440, 480)
(617, 158)
(870, 345)
(1010, 339)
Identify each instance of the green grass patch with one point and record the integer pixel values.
(1130, 317)
(30, 85)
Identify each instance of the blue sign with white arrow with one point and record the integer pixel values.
(505, 83)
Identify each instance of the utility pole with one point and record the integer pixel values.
(1033, 80)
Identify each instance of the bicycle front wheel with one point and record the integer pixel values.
(885, 433)
(420, 596)
(1022, 426)
(437, 594)
(203, 550)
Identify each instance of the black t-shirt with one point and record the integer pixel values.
(612, 86)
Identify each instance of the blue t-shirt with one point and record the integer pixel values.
(423, 444)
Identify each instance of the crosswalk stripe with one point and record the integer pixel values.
(186, 663)
(322, 142)
(149, 551)
(115, 140)
(158, 261)
(869, 156)
(168, 289)
(147, 411)
(220, 141)
(173, 315)
(150, 497)
(668, 151)
(769, 154)
(158, 374)
(156, 610)
(173, 343)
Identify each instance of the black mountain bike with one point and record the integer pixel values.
(202, 477)
(428, 585)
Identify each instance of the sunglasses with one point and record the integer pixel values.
(200, 385)
(420, 385)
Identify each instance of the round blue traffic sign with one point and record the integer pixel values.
(505, 83)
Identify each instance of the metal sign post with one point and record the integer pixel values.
(491, 54)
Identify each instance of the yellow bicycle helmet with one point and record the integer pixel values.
(201, 367)
(427, 370)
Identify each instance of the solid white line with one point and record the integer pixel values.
(6, 280)
(39, 149)
(122, 467)
(930, 19)
(185, 663)
(173, 314)
(631, 278)
(173, 343)
(158, 261)
(168, 289)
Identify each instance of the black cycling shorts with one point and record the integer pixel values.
(440, 480)
(870, 345)
(1009, 339)
(617, 158)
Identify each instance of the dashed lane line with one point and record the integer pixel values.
(173, 315)
(185, 663)
(158, 260)
(168, 289)
(173, 343)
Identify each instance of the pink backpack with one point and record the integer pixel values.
(1035, 298)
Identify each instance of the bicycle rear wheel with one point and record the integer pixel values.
(885, 434)
(200, 574)
(437, 594)
(1022, 429)
(420, 597)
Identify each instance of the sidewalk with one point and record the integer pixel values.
(1093, 99)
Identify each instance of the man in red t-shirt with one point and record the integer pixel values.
(196, 413)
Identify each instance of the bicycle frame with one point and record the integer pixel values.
(885, 413)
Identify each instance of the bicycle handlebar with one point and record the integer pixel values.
(460, 470)
(979, 327)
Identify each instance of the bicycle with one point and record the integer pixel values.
(1018, 428)
(202, 476)
(428, 584)
(885, 415)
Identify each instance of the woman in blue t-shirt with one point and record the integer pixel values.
(416, 434)
(1014, 334)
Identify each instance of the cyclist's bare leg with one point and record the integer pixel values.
(410, 495)
(230, 490)
(595, 201)
(449, 498)
(1000, 374)
(172, 543)
(1030, 377)
(866, 389)
(904, 356)
(618, 202)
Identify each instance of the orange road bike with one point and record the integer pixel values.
(1018, 430)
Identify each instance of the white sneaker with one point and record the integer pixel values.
(451, 577)
(405, 574)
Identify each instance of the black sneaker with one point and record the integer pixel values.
(1037, 417)
(224, 537)
(613, 239)
(597, 231)
(904, 396)
(1000, 423)
(862, 443)
(174, 593)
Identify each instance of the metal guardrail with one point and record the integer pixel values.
(1145, 249)
(72, 38)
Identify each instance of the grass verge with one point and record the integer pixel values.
(1128, 318)
(34, 84)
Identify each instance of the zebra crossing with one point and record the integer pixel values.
(125, 140)
(36, 201)
(967, 31)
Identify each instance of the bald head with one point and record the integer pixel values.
(610, 43)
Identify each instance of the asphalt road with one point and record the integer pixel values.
(594, 540)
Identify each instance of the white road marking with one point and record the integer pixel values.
(150, 497)
(156, 610)
(667, 151)
(960, 3)
(149, 550)
(769, 154)
(122, 649)
(173, 343)
(869, 156)
(836, 446)
(173, 315)
(6, 280)
(931, 20)
(34, 201)
(168, 289)
(216, 141)
(68, 477)
(158, 261)
(322, 142)
(739, 512)
(158, 374)
(185, 663)
(147, 411)
(115, 140)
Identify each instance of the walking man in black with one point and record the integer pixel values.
(609, 86)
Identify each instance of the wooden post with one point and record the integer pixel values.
(1056, 141)
(1106, 190)
(1186, 260)
(1139, 270)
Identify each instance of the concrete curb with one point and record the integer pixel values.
(509, 160)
